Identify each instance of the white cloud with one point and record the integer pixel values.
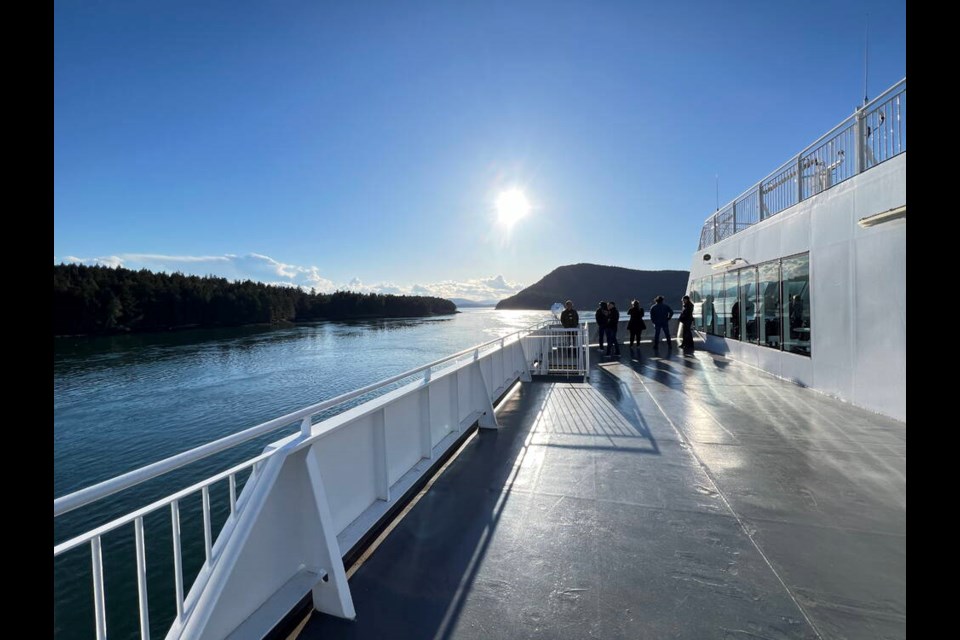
(495, 288)
(153, 257)
(109, 261)
(498, 283)
(261, 268)
(479, 289)
(392, 289)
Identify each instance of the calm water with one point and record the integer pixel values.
(123, 402)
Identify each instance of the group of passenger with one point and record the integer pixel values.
(608, 323)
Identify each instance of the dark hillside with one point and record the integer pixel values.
(588, 284)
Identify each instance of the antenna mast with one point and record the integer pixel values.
(866, 54)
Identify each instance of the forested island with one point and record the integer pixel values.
(103, 300)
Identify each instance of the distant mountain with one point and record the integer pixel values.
(588, 284)
(463, 303)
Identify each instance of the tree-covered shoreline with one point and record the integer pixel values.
(97, 300)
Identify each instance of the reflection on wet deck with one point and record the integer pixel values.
(675, 496)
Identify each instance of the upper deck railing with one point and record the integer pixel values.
(874, 133)
(349, 469)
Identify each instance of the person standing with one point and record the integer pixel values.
(686, 322)
(601, 317)
(636, 324)
(613, 323)
(660, 314)
(569, 318)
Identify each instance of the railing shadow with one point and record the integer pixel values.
(621, 400)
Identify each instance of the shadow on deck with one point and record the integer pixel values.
(675, 496)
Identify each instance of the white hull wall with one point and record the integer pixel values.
(858, 289)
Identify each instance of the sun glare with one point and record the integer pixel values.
(511, 206)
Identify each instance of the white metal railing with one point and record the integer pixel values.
(415, 422)
(874, 133)
(559, 351)
(95, 536)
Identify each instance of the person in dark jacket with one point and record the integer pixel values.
(613, 323)
(686, 322)
(660, 314)
(636, 324)
(601, 317)
(569, 318)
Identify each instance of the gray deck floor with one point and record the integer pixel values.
(671, 497)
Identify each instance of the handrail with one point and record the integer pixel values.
(797, 163)
(404, 433)
(130, 479)
(74, 542)
(793, 159)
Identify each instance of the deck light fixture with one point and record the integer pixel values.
(883, 216)
(723, 264)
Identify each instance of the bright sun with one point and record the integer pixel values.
(511, 206)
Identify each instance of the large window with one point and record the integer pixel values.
(795, 308)
(719, 319)
(768, 311)
(768, 304)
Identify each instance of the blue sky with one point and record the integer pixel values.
(363, 144)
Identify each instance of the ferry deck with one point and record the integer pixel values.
(671, 496)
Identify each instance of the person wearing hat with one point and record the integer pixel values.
(569, 318)
(601, 317)
(660, 314)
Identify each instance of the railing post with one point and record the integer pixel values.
(586, 352)
(207, 529)
(305, 426)
(860, 132)
(177, 557)
(760, 205)
(455, 399)
(233, 494)
(99, 601)
(426, 429)
(799, 178)
(733, 211)
(142, 579)
(381, 469)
